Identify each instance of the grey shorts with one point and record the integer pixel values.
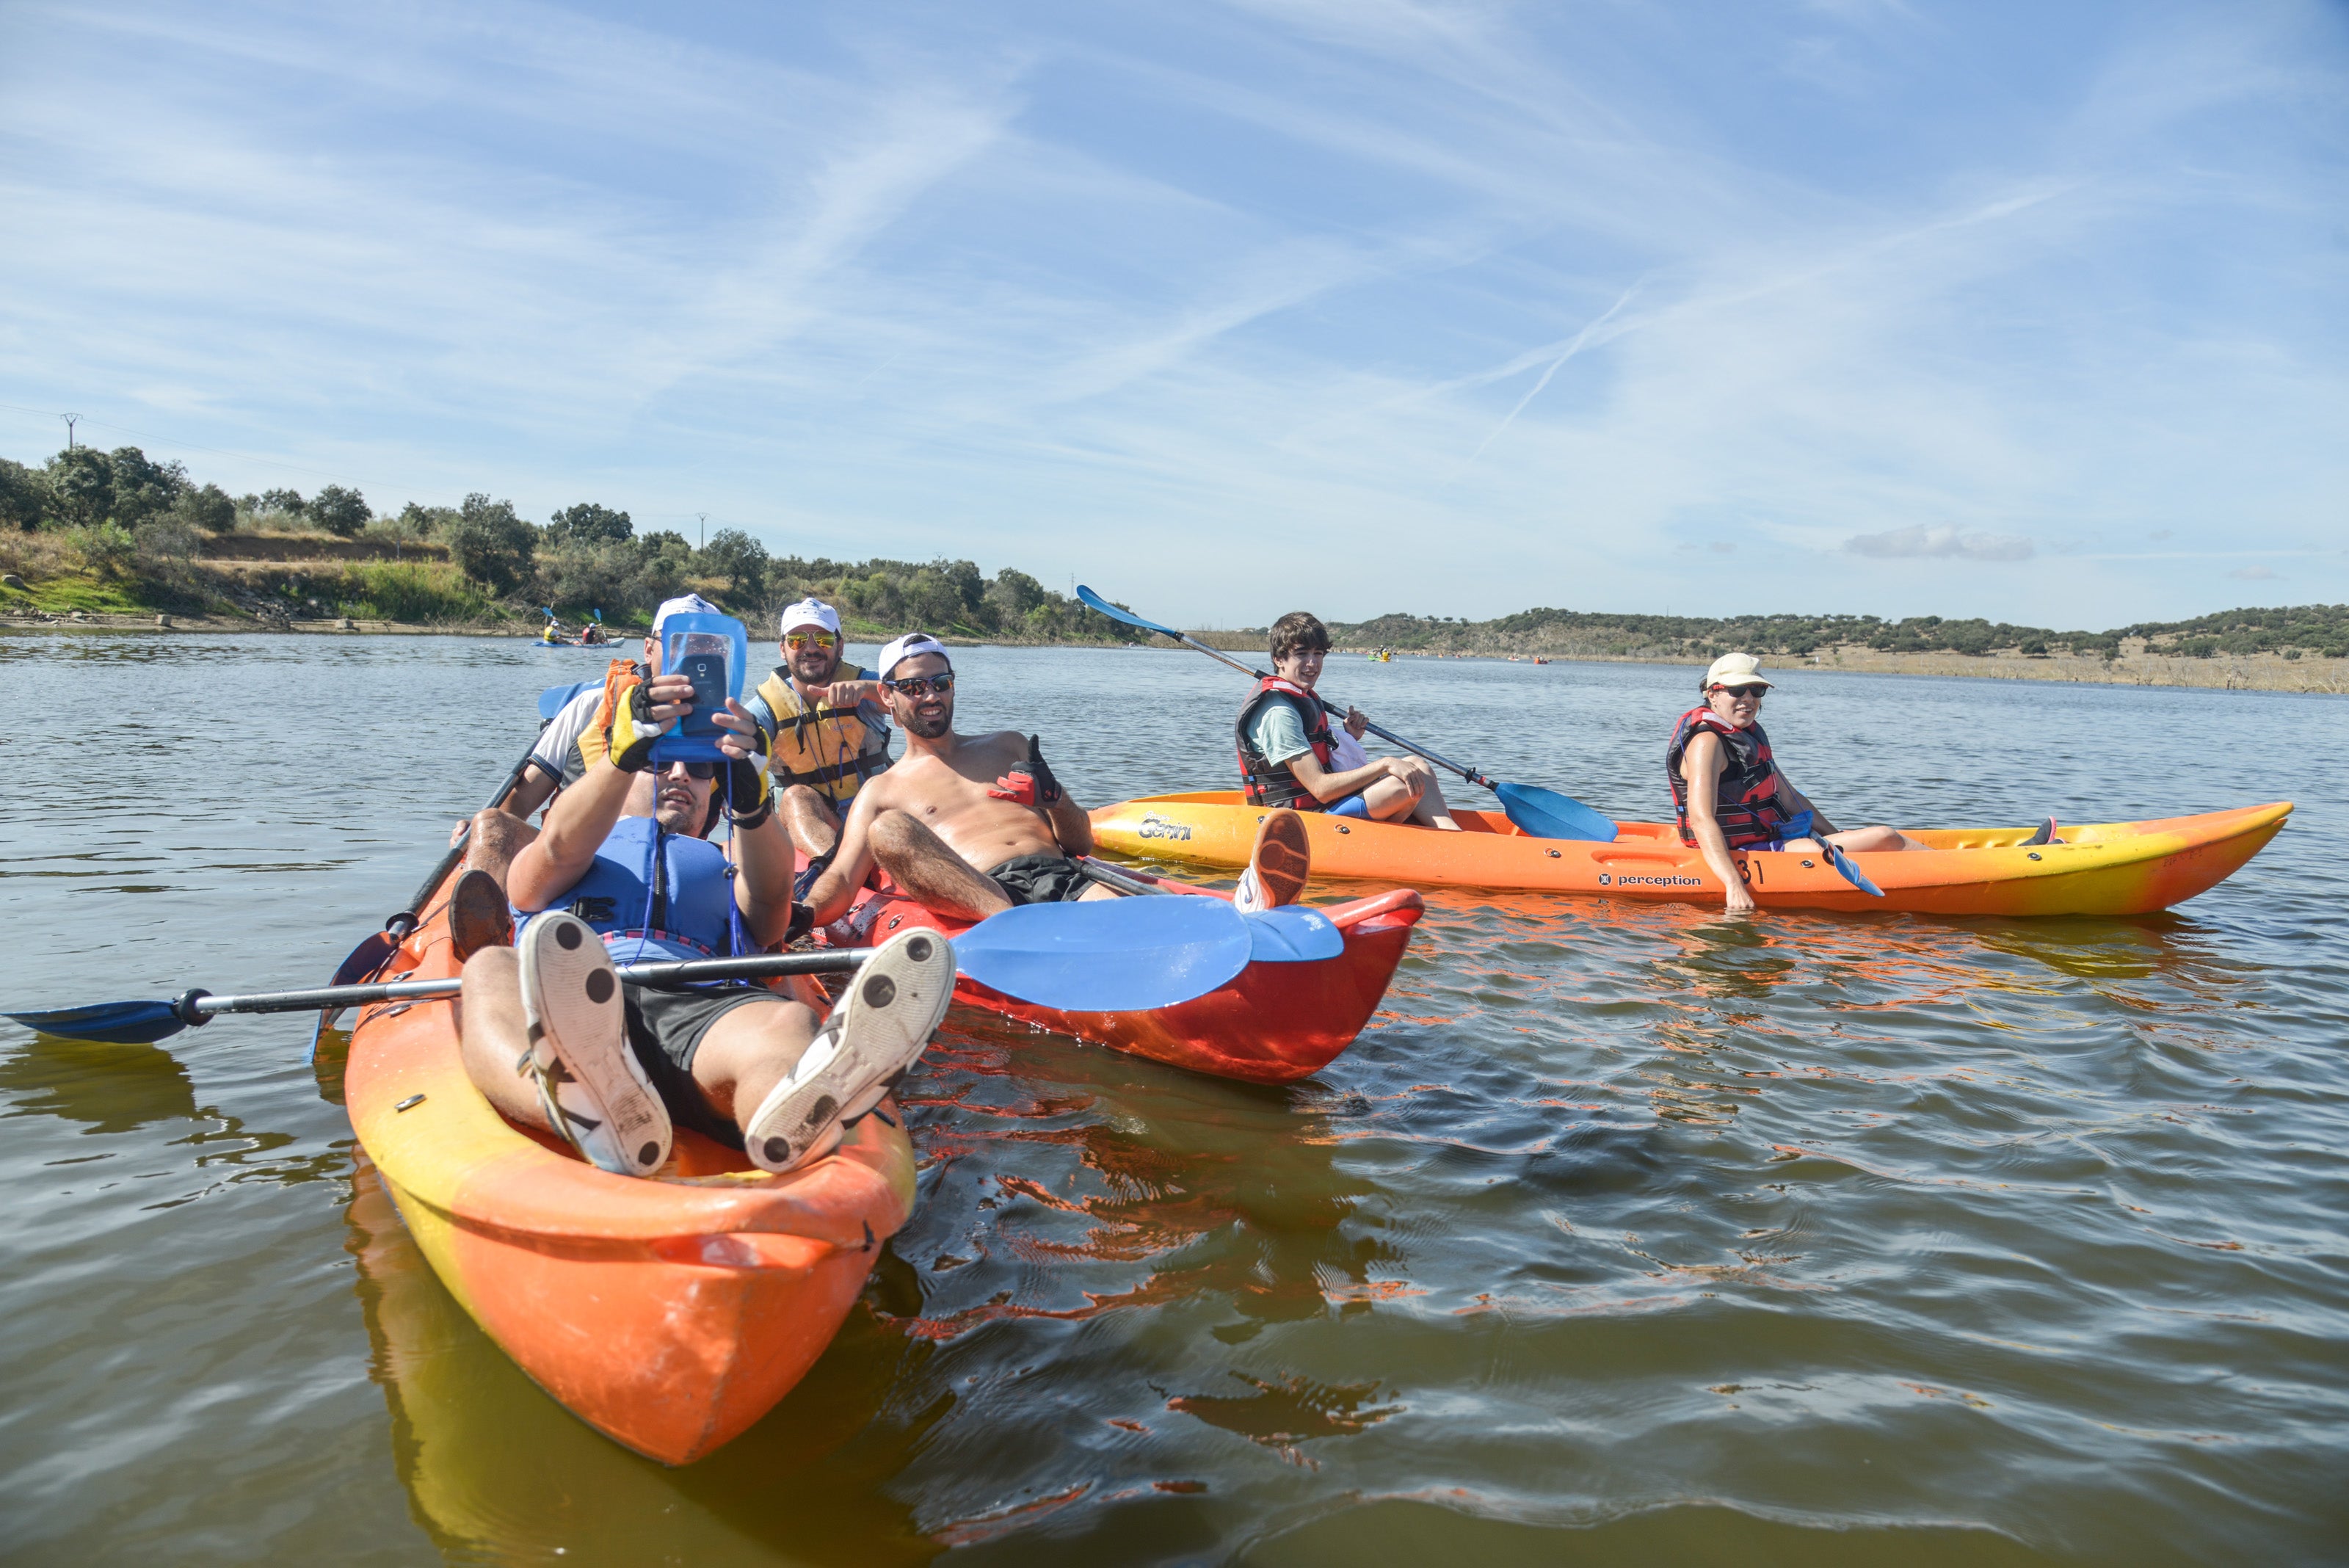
(666, 1028)
(1039, 878)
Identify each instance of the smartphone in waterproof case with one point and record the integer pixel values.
(708, 651)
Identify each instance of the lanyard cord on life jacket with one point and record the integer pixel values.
(735, 937)
(656, 878)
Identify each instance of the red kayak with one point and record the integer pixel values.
(1275, 1021)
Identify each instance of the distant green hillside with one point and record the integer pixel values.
(2319, 630)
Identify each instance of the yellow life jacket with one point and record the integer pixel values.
(832, 751)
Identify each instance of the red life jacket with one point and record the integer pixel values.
(1273, 783)
(1747, 801)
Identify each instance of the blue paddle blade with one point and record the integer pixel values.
(1851, 873)
(365, 962)
(113, 1023)
(1545, 814)
(1094, 601)
(1109, 955)
(555, 699)
(1293, 934)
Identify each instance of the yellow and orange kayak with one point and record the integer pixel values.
(669, 1312)
(2100, 868)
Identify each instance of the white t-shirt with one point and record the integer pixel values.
(557, 741)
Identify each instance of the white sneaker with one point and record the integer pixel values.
(877, 1031)
(590, 1083)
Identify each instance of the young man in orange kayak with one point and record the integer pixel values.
(827, 733)
(970, 826)
(1728, 790)
(621, 872)
(1290, 757)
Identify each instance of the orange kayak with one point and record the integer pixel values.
(2101, 868)
(669, 1313)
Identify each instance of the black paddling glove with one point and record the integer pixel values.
(1030, 782)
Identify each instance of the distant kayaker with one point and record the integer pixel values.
(826, 728)
(1728, 790)
(622, 872)
(1290, 756)
(970, 826)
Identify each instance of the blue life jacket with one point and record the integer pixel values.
(684, 913)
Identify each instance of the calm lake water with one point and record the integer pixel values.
(1627, 1233)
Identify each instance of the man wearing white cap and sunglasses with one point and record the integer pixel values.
(827, 731)
(1727, 788)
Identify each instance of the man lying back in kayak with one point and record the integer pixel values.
(970, 826)
(1728, 790)
(1288, 755)
(621, 872)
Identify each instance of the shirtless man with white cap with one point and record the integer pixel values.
(827, 731)
(970, 826)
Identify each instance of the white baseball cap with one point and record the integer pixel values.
(1735, 669)
(811, 612)
(906, 648)
(691, 603)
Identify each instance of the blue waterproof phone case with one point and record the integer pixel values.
(712, 651)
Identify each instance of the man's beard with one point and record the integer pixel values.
(822, 677)
(930, 729)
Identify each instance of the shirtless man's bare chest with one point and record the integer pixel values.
(951, 800)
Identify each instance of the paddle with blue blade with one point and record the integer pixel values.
(1799, 827)
(1121, 956)
(144, 1023)
(1115, 955)
(1538, 813)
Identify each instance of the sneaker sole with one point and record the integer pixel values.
(893, 1006)
(1283, 858)
(572, 999)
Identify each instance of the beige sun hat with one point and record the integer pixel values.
(1735, 669)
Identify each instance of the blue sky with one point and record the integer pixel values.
(2038, 312)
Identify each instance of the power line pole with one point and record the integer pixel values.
(70, 421)
(703, 517)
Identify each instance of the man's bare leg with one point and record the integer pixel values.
(1867, 840)
(1430, 809)
(808, 817)
(749, 1051)
(740, 1060)
(497, 837)
(1390, 800)
(491, 1034)
(933, 876)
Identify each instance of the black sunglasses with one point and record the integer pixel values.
(696, 770)
(922, 685)
(1756, 692)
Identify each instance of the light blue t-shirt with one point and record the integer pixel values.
(1278, 733)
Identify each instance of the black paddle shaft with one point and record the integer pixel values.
(1383, 734)
(197, 1007)
(399, 925)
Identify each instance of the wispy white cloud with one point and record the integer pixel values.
(1449, 305)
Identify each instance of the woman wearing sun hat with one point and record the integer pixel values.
(1727, 788)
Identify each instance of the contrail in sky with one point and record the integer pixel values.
(1581, 339)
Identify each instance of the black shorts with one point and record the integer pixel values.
(665, 1029)
(1039, 878)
